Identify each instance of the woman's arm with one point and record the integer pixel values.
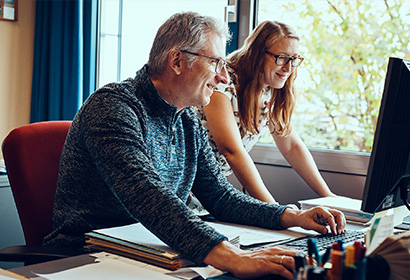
(301, 160)
(224, 129)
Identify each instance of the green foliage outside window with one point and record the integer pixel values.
(346, 45)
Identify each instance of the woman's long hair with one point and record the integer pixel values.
(248, 65)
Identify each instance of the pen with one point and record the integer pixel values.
(361, 264)
(316, 251)
(349, 257)
(313, 250)
(300, 263)
(335, 246)
(337, 265)
(349, 270)
(357, 247)
(310, 251)
(300, 260)
(326, 256)
(340, 242)
(362, 253)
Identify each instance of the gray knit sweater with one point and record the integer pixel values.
(130, 156)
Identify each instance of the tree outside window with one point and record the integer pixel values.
(346, 45)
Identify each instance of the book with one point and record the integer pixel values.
(396, 251)
(349, 206)
(137, 242)
(6, 274)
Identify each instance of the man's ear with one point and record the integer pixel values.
(175, 61)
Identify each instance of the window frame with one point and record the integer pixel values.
(354, 163)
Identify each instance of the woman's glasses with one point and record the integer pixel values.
(282, 60)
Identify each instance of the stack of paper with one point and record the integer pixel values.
(137, 242)
(349, 206)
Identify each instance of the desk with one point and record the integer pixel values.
(86, 259)
(11, 232)
(54, 266)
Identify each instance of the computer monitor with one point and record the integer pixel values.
(388, 176)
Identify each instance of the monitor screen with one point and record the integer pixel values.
(389, 165)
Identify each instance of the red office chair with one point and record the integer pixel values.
(32, 157)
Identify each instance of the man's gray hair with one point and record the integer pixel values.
(183, 31)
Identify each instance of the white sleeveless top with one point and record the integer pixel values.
(249, 140)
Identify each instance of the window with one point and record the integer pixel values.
(128, 28)
(346, 45)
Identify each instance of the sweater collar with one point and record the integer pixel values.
(151, 94)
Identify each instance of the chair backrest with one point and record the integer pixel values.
(32, 157)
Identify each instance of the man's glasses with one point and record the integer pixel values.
(282, 60)
(220, 63)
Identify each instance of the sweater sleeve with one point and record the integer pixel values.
(225, 202)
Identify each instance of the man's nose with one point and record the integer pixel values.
(223, 76)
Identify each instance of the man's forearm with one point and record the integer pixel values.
(289, 218)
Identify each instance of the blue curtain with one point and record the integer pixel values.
(64, 58)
